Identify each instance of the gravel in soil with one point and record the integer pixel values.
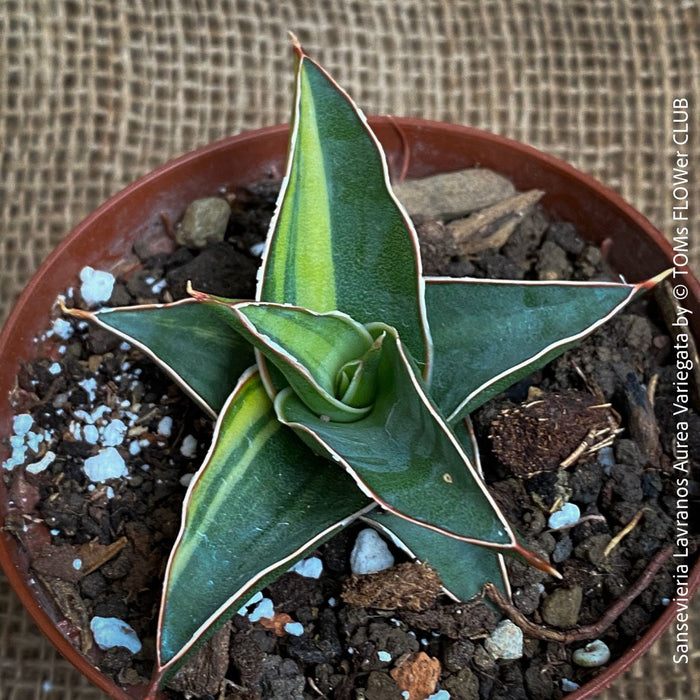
(98, 541)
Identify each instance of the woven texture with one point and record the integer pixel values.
(94, 94)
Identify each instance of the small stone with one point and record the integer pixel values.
(96, 287)
(309, 568)
(165, 426)
(296, 629)
(594, 654)
(106, 464)
(158, 243)
(561, 607)
(252, 601)
(42, 464)
(205, 220)
(22, 423)
(370, 553)
(568, 515)
(451, 195)
(189, 446)
(417, 674)
(264, 608)
(440, 695)
(553, 263)
(62, 328)
(563, 233)
(114, 433)
(110, 632)
(506, 641)
(569, 686)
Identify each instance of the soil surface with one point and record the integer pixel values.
(100, 548)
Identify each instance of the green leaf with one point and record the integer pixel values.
(464, 568)
(488, 334)
(340, 240)
(190, 341)
(312, 351)
(403, 455)
(257, 505)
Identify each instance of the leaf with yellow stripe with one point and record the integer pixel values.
(340, 240)
(258, 504)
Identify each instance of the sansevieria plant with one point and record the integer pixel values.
(340, 391)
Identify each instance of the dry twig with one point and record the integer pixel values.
(585, 632)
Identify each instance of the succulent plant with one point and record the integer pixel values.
(340, 392)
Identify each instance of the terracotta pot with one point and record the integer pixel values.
(638, 251)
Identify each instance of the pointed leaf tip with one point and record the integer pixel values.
(646, 285)
(296, 44)
(536, 560)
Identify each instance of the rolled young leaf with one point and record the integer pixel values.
(488, 334)
(340, 240)
(259, 502)
(190, 341)
(312, 351)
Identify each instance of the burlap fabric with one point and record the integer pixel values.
(96, 93)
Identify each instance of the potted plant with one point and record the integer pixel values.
(380, 366)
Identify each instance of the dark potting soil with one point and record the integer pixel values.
(100, 549)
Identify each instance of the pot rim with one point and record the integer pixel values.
(27, 593)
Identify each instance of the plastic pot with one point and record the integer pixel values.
(637, 250)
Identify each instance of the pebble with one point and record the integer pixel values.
(110, 632)
(257, 249)
(264, 608)
(569, 686)
(114, 433)
(296, 629)
(62, 328)
(506, 641)
(440, 695)
(562, 606)
(189, 446)
(55, 368)
(165, 426)
(106, 464)
(566, 517)
(370, 553)
(309, 568)
(186, 479)
(22, 423)
(42, 464)
(205, 220)
(384, 656)
(90, 386)
(451, 195)
(33, 440)
(594, 654)
(77, 564)
(96, 286)
(254, 599)
(91, 434)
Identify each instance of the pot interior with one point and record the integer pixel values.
(637, 250)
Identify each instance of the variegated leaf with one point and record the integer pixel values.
(258, 504)
(340, 240)
(188, 340)
(488, 334)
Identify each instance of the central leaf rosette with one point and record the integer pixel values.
(354, 394)
(329, 362)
